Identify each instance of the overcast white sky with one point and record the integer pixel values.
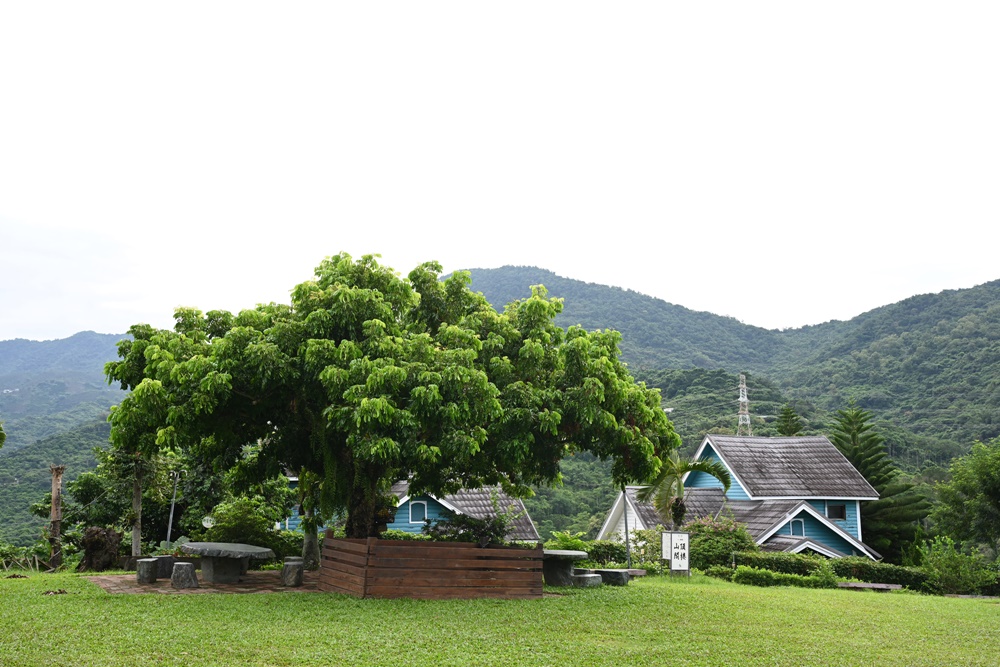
(785, 163)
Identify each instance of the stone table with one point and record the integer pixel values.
(222, 562)
(557, 566)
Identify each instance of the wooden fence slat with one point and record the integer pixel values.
(429, 570)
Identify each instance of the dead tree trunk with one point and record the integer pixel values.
(55, 515)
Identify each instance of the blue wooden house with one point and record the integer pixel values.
(795, 494)
(411, 511)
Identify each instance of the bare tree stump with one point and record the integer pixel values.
(145, 570)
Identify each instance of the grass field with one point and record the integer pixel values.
(655, 621)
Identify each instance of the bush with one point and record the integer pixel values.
(605, 551)
(714, 540)
(567, 541)
(751, 576)
(246, 521)
(869, 571)
(949, 571)
(396, 534)
(720, 572)
(785, 563)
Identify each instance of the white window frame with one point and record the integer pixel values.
(791, 527)
(832, 518)
(418, 502)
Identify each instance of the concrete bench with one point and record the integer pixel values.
(557, 566)
(587, 580)
(613, 577)
(865, 586)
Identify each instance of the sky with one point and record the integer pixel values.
(783, 163)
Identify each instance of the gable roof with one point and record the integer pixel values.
(478, 503)
(795, 467)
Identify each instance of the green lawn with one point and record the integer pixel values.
(651, 622)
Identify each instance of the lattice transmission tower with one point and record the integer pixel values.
(743, 424)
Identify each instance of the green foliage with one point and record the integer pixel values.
(25, 477)
(951, 571)
(788, 422)
(605, 551)
(465, 528)
(723, 572)
(365, 379)
(396, 534)
(867, 570)
(890, 523)
(823, 578)
(247, 520)
(801, 564)
(568, 541)
(580, 503)
(666, 490)
(714, 540)
(969, 508)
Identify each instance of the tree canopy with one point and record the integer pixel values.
(366, 378)
(970, 502)
(891, 522)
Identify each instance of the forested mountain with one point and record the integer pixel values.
(928, 366)
(54, 403)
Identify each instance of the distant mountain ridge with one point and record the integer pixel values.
(929, 363)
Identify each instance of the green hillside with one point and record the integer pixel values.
(928, 367)
(25, 476)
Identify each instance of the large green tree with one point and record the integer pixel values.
(891, 523)
(366, 378)
(788, 423)
(666, 490)
(969, 508)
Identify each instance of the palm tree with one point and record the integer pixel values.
(666, 491)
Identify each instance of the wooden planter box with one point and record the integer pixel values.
(428, 570)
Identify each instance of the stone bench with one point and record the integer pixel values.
(587, 580)
(865, 586)
(146, 570)
(614, 577)
(557, 566)
(292, 571)
(184, 576)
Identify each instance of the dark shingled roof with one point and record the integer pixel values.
(789, 543)
(760, 516)
(703, 502)
(799, 467)
(478, 503)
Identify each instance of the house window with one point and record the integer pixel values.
(418, 511)
(836, 511)
(798, 528)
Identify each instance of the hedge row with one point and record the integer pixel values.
(852, 567)
(864, 569)
(824, 578)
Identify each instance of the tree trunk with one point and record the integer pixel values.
(361, 514)
(136, 516)
(55, 537)
(310, 544)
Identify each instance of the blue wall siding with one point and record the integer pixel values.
(699, 480)
(435, 512)
(816, 531)
(848, 525)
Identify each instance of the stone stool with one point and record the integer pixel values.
(145, 570)
(184, 576)
(292, 572)
(587, 580)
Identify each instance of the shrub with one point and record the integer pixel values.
(567, 541)
(869, 571)
(949, 571)
(755, 577)
(714, 540)
(785, 563)
(720, 572)
(396, 534)
(605, 551)
(246, 521)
